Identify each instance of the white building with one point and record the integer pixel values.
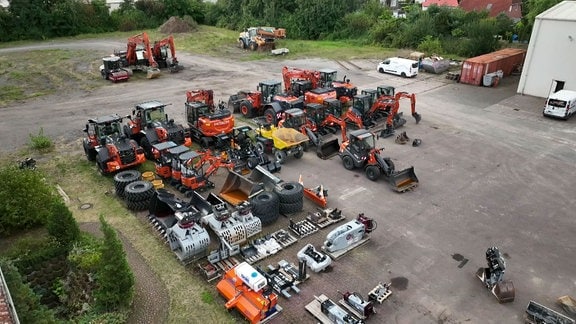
(550, 63)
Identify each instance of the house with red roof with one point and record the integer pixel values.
(511, 8)
(440, 3)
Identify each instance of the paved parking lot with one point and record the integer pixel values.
(492, 170)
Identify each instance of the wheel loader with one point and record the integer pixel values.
(149, 124)
(359, 151)
(260, 38)
(109, 147)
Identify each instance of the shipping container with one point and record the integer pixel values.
(506, 60)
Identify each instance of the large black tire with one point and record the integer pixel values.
(138, 191)
(89, 151)
(280, 156)
(252, 163)
(260, 147)
(348, 162)
(241, 44)
(270, 116)
(300, 153)
(291, 208)
(246, 109)
(290, 192)
(123, 178)
(266, 206)
(138, 205)
(373, 172)
(253, 46)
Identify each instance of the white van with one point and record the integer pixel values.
(561, 104)
(400, 66)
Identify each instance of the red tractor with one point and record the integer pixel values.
(109, 147)
(161, 56)
(209, 126)
(268, 101)
(149, 125)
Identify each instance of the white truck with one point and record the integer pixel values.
(400, 66)
(560, 104)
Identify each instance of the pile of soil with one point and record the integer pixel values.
(175, 25)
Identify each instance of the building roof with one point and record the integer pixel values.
(7, 311)
(511, 8)
(446, 3)
(565, 10)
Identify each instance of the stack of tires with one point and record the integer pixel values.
(291, 196)
(266, 206)
(137, 193)
(123, 178)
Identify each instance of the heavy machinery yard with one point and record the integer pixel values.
(492, 172)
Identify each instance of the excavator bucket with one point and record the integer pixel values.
(504, 291)
(326, 150)
(152, 73)
(237, 188)
(404, 180)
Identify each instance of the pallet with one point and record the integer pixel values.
(264, 250)
(325, 221)
(303, 228)
(285, 278)
(279, 309)
(338, 254)
(380, 293)
(284, 238)
(314, 308)
(213, 271)
(351, 309)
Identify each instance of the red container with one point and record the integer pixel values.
(474, 69)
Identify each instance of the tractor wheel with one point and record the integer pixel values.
(253, 46)
(89, 152)
(139, 190)
(290, 192)
(252, 163)
(260, 147)
(241, 44)
(147, 147)
(270, 116)
(372, 172)
(138, 205)
(123, 178)
(246, 109)
(280, 156)
(266, 206)
(300, 153)
(348, 162)
(291, 208)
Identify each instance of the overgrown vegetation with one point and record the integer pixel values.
(366, 22)
(56, 274)
(40, 141)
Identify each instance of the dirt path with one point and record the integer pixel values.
(151, 300)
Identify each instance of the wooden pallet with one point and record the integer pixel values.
(212, 271)
(338, 254)
(303, 228)
(284, 238)
(324, 221)
(314, 308)
(380, 293)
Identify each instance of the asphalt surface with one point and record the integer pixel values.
(492, 171)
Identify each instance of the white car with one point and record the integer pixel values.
(399, 66)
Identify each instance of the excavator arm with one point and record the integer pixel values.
(396, 107)
(141, 39)
(289, 74)
(333, 120)
(205, 96)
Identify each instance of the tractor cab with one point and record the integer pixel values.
(327, 76)
(294, 118)
(99, 129)
(385, 91)
(269, 89)
(150, 112)
(361, 142)
(300, 87)
(362, 104)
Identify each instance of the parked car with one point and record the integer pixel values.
(399, 66)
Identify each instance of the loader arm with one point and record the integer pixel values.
(166, 41)
(396, 107)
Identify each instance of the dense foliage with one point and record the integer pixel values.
(443, 29)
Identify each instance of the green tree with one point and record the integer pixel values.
(24, 195)
(27, 303)
(61, 225)
(531, 9)
(114, 277)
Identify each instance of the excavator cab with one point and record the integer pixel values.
(327, 76)
(385, 91)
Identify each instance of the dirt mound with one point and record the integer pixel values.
(177, 25)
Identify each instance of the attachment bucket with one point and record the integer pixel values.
(404, 180)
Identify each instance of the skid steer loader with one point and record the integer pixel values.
(359, 151)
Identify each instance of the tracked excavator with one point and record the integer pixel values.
(359, 151)
(164, 53)
(394, 118)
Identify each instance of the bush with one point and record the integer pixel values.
(40, 141)
(430, 45)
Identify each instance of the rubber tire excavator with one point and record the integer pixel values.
(359, 151)
(210, 127)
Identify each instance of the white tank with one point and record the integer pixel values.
(250, 276)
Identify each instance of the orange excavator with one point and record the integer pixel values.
(193, 176)
(394, 119)
(139, 56)
(210, 127)
(247, 290)
(160, 52)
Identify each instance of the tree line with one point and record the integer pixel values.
(442, 29)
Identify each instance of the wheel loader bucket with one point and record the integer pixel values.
(152, 73)
(237, 188)
(264, 177)
(328, 149)
(504, 291)
(404, 180)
